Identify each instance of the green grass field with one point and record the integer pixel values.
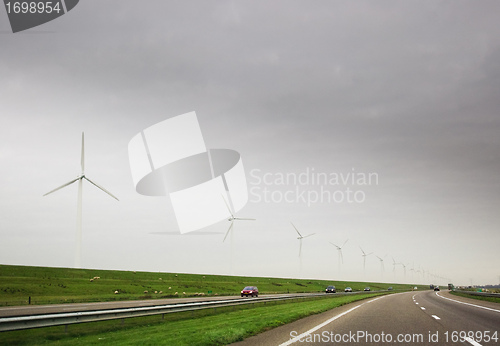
(62, 285)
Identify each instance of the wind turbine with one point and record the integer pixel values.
(339, 250)
(404, 267)
(364, 257)
(381, 264)
(300, 237)
(232, 218)
(78, 254)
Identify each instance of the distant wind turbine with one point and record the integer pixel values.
(404, 267)
(300, 237)
(78, 254)
(232, 218)
(381, 264)
(339, 251)
(364, 257)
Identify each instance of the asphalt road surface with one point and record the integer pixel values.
(410, 318)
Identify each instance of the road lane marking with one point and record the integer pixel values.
(472, 342)
(321, 325)
(437, 318)
(477, 306)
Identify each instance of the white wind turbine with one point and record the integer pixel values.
(381, 264)
(364, 259)
(394, 263)
(339, 250)
(404, 268)
(78, 254)
(300, 237)
(232, 218)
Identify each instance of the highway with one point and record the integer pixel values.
(410, 318)
(30, 310)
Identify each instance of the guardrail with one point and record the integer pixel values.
(57, 319)
(482, 294)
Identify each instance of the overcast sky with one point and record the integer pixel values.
(408, 91)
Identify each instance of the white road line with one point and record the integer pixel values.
(437, 318)
(321, 325)
(477, 306)
(472, 342)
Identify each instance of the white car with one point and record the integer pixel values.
(348, 289)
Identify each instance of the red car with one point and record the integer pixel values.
(250, 291)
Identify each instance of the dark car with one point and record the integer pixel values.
(436, 288)
(348, 289)
(389, 289)
(330, 289)
(367, 288)
(250, 291)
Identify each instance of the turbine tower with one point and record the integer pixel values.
(78, 252)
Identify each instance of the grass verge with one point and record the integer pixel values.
(207, 327)
(488, 299)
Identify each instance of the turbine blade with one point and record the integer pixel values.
(309, 235)
(300, 235)
(60, 187)
(83, 155)
(242, 218)
(362, 251)
(344, 243)
(102, 188)
(227, 205)
(229, 229)
(338, 248)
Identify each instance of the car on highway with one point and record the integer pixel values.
(436, 288)
(390, 288)
(330, 289)
(252, 291)
(348, 289)
(367, 289)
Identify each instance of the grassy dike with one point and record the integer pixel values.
(21, 285)
(207, 327)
